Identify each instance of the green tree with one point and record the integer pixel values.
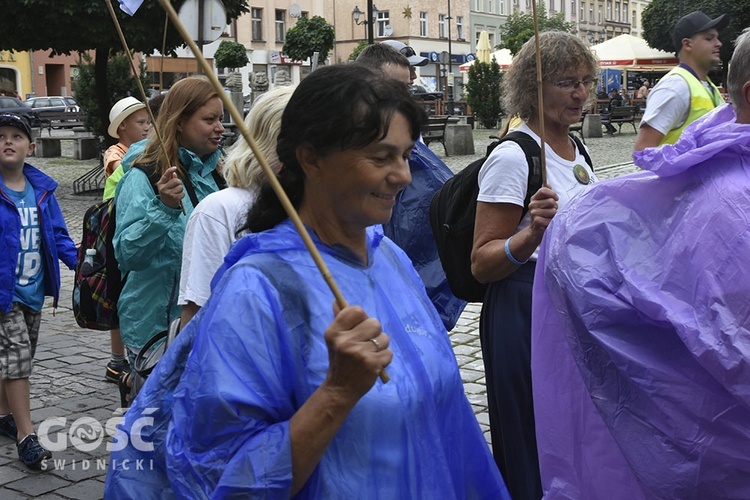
(230, 55)
(83, 25)
(519, 27)
(359, 48)
(309, 36)
(483, 92)
(122, 84)
(660, 17)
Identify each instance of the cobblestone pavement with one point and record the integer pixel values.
(68, 380)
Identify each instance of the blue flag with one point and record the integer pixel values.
(130, 6)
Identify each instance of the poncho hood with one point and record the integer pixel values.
(288, 240)
(717, 134)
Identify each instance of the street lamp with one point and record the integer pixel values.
(356, 14)
(450, 63)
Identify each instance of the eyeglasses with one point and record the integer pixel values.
(572, 83)
(408, 51)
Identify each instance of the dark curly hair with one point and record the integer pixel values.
(336, 108)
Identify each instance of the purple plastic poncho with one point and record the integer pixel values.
(641, 334)
(217, 406)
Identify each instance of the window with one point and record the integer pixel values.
(562, 6)
(502, 7)
(583, 11)
(633, 22)
(609, 10)
(441, 25)
(280, 25)
(617, 11)
(305, 14)
(490, 6)
(478, 5)
(384, 19)
(591, 13)
(625, 12)
(257, 23)
(572, 7)
(460, 27)
(600, 14)
(423, 24)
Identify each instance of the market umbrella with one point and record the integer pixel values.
(627, 51)
(502, 57)
(483, 47)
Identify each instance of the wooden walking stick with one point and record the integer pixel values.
(540, 98)
(270, 174)
(140, 85)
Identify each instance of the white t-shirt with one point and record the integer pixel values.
(668, 104)
(209, 233)
(504, 176)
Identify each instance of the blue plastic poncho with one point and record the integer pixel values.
(409, 227)
(255, 354)
(641, 334)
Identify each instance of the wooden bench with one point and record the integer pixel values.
(435, 130)
(61, 119)
(620, 115)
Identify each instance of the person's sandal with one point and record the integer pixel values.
(8, 427)
(31, 453)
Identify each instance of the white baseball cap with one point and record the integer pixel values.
(414, 59)
(121, 110)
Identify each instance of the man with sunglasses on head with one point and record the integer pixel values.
(686, 93)
(409, 226)
(410, 54)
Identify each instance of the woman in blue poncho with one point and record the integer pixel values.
(269, 392)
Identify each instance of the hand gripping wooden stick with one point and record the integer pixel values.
(283, 198)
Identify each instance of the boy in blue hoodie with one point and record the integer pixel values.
(33, 236)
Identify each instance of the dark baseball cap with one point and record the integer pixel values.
(696, 22)
(11, 120)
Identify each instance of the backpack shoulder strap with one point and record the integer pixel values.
(150, 170)
(583, 151)
(219, 179)
(533, 159)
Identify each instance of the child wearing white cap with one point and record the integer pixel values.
(129, 122)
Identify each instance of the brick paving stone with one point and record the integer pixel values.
(10, 474)
(85, 490)
(34, 485)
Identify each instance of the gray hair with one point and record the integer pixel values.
(241, 168)
(560, 52)
(739, 68)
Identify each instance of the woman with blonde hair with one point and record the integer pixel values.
(152, 209)
(212, 227)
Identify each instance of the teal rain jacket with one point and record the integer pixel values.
(213, 418)
(148, 247)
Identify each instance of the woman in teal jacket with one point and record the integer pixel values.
(150, 215)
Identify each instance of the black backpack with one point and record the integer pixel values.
(453, 212)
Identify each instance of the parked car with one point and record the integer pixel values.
(55, 104)
(12, 105)
(420, 92)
